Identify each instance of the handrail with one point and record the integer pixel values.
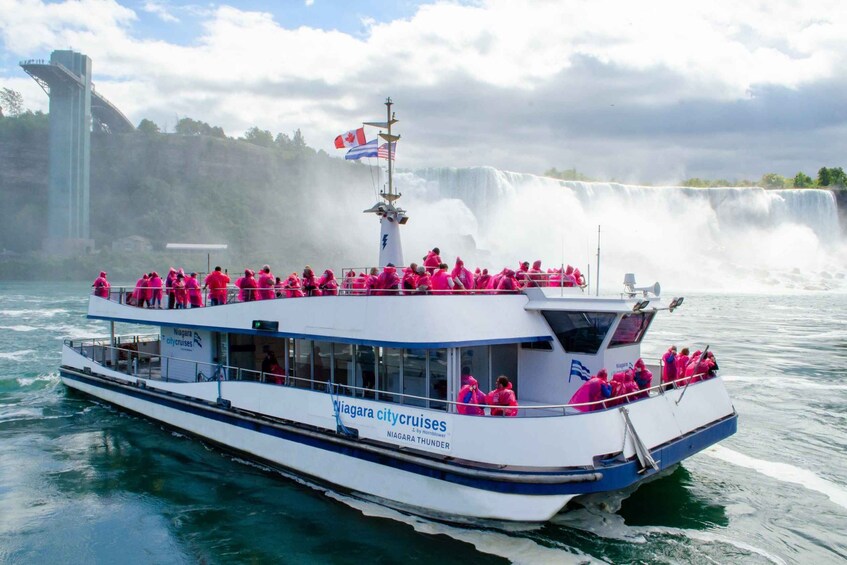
(265, 377)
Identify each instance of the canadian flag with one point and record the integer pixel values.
(352, 138)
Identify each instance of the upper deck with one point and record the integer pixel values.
(414, 321)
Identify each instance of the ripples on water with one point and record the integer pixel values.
(81, 482)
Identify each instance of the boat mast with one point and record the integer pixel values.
(391, 217)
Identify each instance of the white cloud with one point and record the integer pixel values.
(159, 9)
(454, 62)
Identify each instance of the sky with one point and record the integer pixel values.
(638, 92)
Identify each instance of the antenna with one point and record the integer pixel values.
(598, 261)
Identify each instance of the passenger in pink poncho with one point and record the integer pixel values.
(536, 277)
(410, 273)
(292, 287)
(266, 284)
(388, 282)
(669, 365)
(155, 285)
(248, 286)
(495, 280)
(216, 282)
(642, 376)
(327, 283)
(442, 283)
(432, 260)
(101, 286)
(472, 399)
(508, 283)
(681, 364)
(359, 283)
(630, 386)
(180, 292)
(140, 292)
(169, 288)
(309, 282)
(522, 274)
(483, 281)
(423, 282)
(596, 389)
(503, 396)
(195, 294)
(463, 275)
(371, 281)
(348, 280)
(618, 389)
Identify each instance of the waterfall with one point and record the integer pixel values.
(688, 238)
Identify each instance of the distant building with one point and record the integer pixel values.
(132, 244)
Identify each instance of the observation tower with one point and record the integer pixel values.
(66, 79)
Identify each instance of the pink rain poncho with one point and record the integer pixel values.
(597, 388)
(536, 276)
(141, 290)
(266, 284)
(410, 274)
(508, 283)
(618, 389)
(505, 397)
(101, 286)
(432, 260)
(669, 365)
(642, 375)
(248, 286)
(195, 295)
(155, 285)
(388, 281)
(180, 292)
(327, 283)
(484, 280)
(292, 287)
(463, 275)
(309, 282)
(216, 281)
(471, 398)
(423, 282)
(441, 282)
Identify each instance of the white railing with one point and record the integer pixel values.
(134, 360)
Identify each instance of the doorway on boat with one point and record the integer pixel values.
(487, 362)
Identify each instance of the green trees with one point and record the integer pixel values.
(187, 126)
(261, 137)
(773, 180)
(11, 102)
(802, 180)
(834, 176)
(147, 127)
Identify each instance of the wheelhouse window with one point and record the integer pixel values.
(632, 328)
(579, 332)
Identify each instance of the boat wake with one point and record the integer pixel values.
(783, 472)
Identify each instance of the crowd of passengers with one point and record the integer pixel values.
(627, 386)
(181, 290)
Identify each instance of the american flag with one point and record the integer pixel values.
(383, 151)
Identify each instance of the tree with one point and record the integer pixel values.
(258, 136)
(823, 177)
(11, 101)
(298, 140)
(773, 180)
(802, 180)
(187, 126)
(148, 127)
(837, 177)
(282, 140)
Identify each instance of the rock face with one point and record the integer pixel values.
(173, 188)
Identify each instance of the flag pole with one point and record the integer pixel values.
(598, 262)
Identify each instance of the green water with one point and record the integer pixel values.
(81, 482)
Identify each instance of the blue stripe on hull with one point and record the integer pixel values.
(616, 475)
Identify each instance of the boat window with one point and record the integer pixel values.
(504, 361)
(342, 361)
(414, 376)
(632, 328)
(579, 332)
(303, 363)
(537, 345)
(366, 367)
(321, 362)
(389, 372)
(438, 377)
(475, 360)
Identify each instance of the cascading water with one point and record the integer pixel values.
(688, 238)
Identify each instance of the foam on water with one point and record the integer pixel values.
(783, 472)
(21, 328)
(16, 355)
(515, 549)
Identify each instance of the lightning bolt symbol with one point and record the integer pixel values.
(384, 240)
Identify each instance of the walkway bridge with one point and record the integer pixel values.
(106, 115)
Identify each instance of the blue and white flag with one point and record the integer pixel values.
(369, 149)
(579, 370)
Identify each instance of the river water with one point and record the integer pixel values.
(81, 482)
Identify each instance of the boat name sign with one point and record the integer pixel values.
(399, 426)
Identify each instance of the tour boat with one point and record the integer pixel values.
(369, 400)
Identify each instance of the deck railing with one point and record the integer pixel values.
(131, 359)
